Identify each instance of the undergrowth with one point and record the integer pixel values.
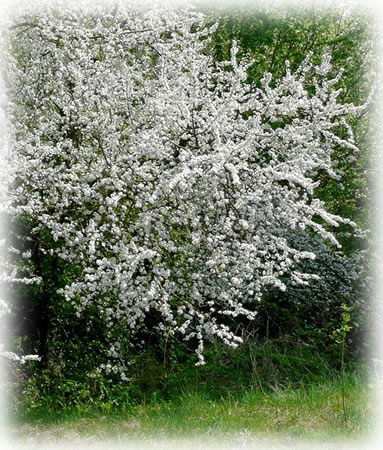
(259, 368)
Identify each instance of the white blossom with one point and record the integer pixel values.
(130, 146)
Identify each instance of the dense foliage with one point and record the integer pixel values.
(175, 177)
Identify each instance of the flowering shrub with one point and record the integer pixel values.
(168, 182)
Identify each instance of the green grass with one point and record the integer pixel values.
(63, 385)
(306, 412)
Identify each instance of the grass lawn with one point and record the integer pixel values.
(311, 413)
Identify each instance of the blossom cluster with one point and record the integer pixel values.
(171, 181)
(4, 309)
